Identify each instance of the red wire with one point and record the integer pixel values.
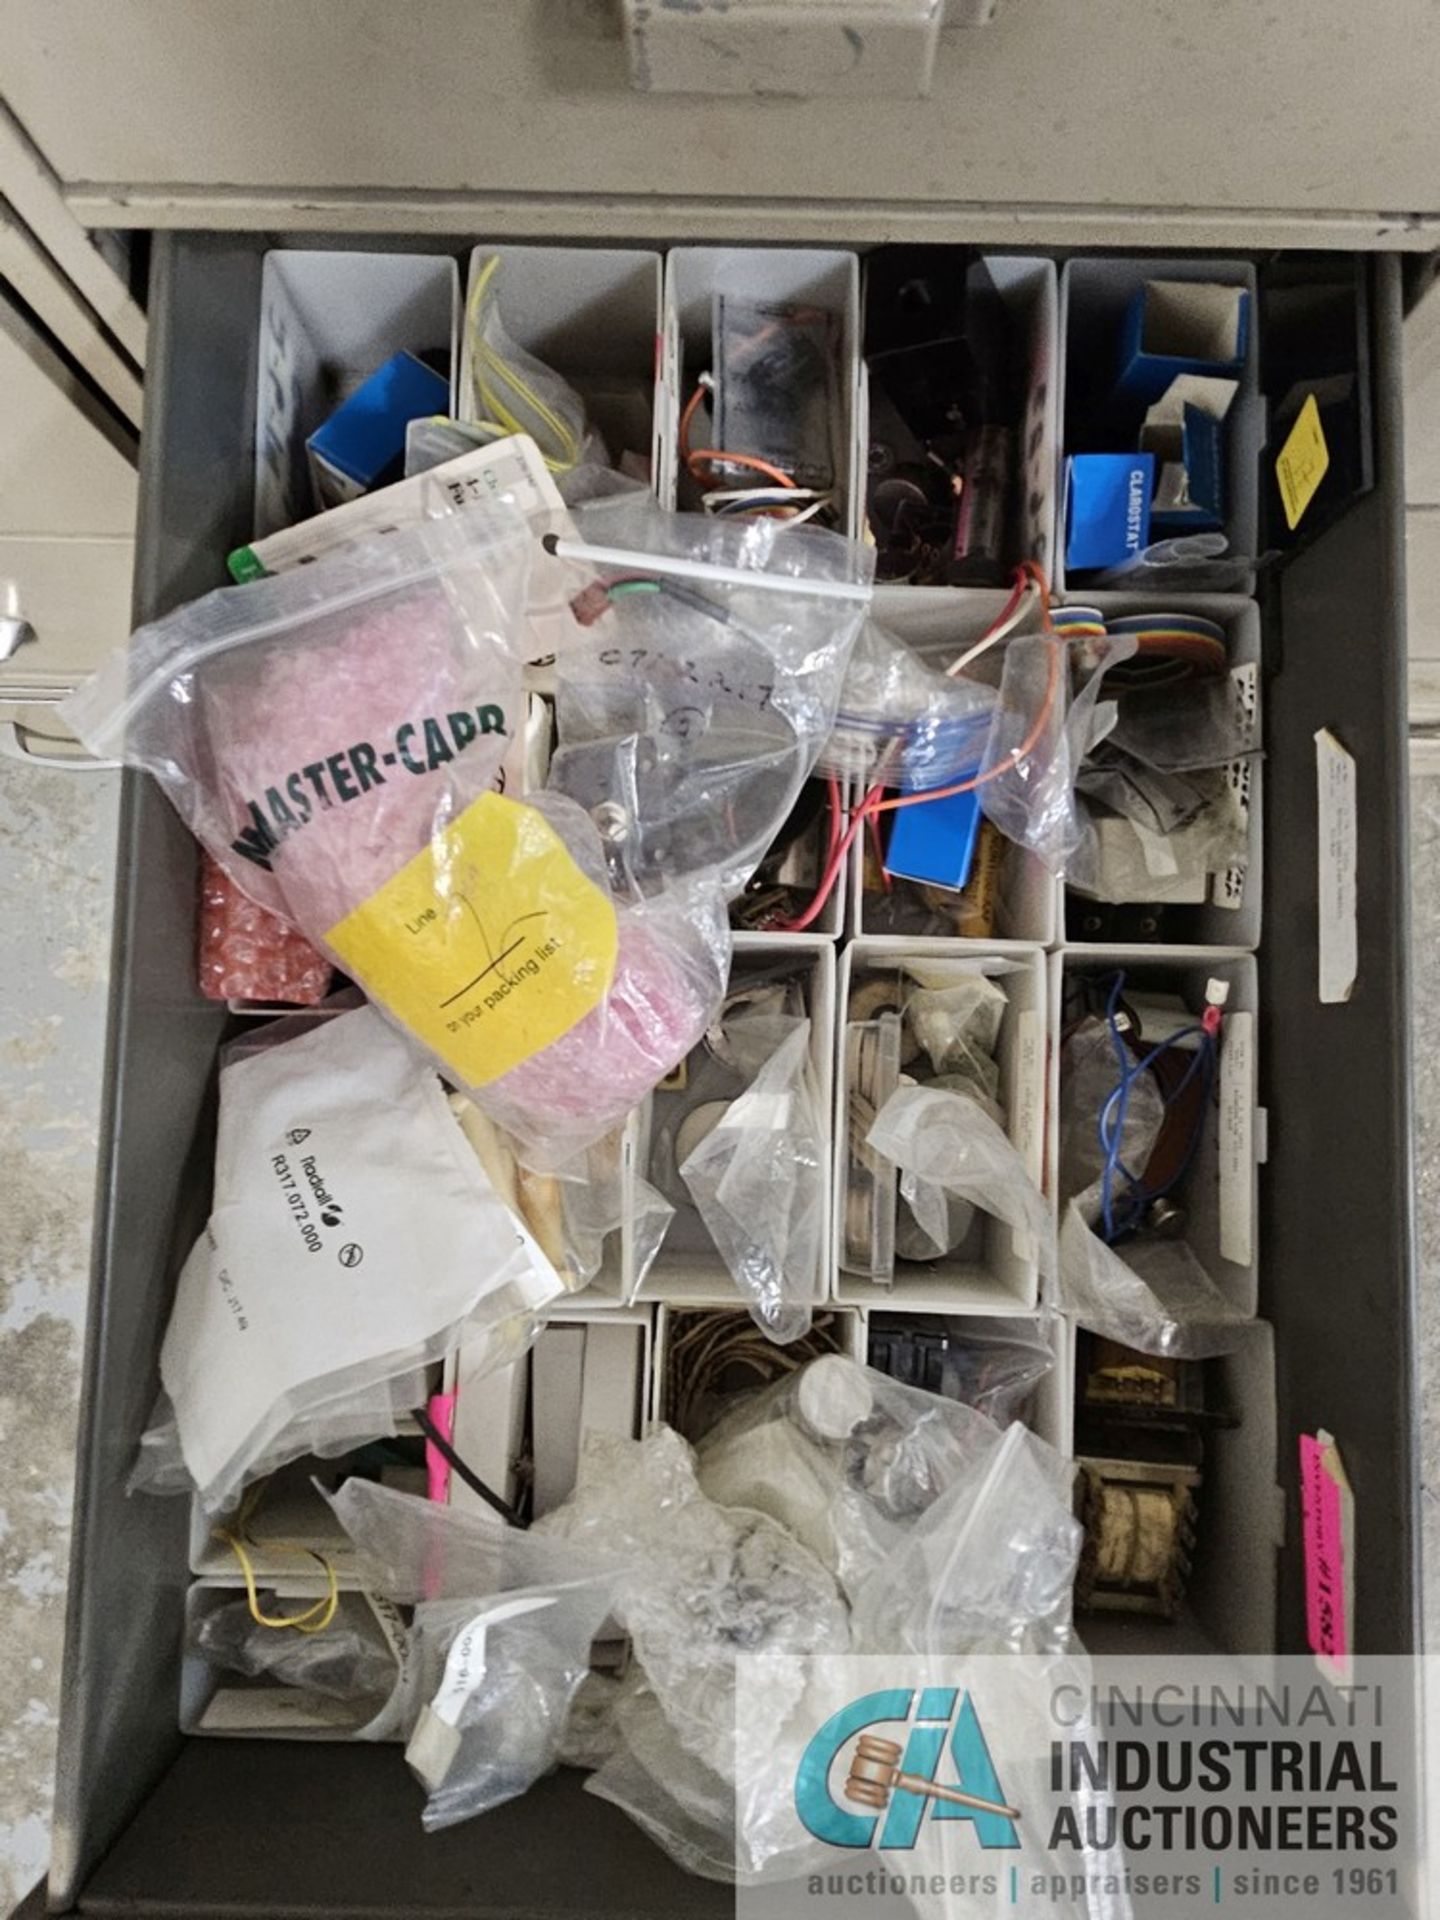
(873, 803)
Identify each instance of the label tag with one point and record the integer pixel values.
(465, 1662)
(488, 945)
(1236, 1138)
(1303, 462)
(1328, 1509)
(1338, 895)
(1028, 1113)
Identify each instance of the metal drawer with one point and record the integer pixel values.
(149, 1822)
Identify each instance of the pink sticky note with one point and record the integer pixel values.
(1323, 1497)
(442, 1411)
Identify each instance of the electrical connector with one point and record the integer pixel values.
(1217, 992)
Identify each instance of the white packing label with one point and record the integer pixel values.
(465, 1662)
(1028, 1113)
(1337, 837)
(1029, 1100)
(1236, 1138)
(353, 1228)
(508, 473)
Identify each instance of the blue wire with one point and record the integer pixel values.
(1110, 1123)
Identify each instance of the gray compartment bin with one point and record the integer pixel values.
(150, 1823)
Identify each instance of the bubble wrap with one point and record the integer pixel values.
(296, 707)
(247, 953)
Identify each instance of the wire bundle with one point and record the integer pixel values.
(1125, 1196)
(1031, 591)
(778, 496)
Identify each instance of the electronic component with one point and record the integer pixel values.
(935, 844)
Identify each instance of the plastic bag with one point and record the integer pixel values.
(1153, 1295)
(574, 1211)
(315, 728)
(491, 1685)
(706, 1583)
(348, 1660)
(883, 1481)
(1123, 862)
(685, 1806)
(958, 1025)
(1159, 801)
(902, 724)
(758, 1181)
(1089, 1074)
(690, 725)
(483, 926)
(946, 1144)
(1198, 723)
(338, 1168)
(671, 960)
(1039, 738)
(991, 1568)
(994, 1372)
(500, 1640)
(509, 389)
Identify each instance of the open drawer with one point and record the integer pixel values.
(152, 1822)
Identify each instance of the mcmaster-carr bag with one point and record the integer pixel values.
(339, 737)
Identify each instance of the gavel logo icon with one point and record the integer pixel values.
(875, 1774)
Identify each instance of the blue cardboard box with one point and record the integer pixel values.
(1185, 430)
(1173, 327)
(935, 844)
(362, 444)
(1107, 508)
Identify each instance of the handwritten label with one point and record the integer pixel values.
(1303, 463)
(1337, 835)
(1328, 1511)
(1236, 1138)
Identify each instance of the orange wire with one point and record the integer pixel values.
(873, 802)
(716, 456)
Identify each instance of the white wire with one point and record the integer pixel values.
(988, 640)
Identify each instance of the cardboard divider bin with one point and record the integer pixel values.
(593, 315)
(1231, 913)
(1029, 290)
(1221, 1193)
(1103, 352)
(994, 1270)
(939, 623)
(783, 276)
(329, 317)
(688, 1268)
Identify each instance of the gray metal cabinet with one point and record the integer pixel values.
(149, 1822)
(1134, 122)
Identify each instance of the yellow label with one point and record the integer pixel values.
(488, 945)
(1304, 461)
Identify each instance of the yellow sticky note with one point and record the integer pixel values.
(1303, 463)
(489, 945)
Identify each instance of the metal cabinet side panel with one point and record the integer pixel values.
(1112, 106)
(1338, 1256)
(117, 1726)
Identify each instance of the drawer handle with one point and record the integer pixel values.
(14, 633)
(67, 756)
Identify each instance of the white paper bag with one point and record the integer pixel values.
(354, 1232)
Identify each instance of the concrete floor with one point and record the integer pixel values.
(57, 856)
